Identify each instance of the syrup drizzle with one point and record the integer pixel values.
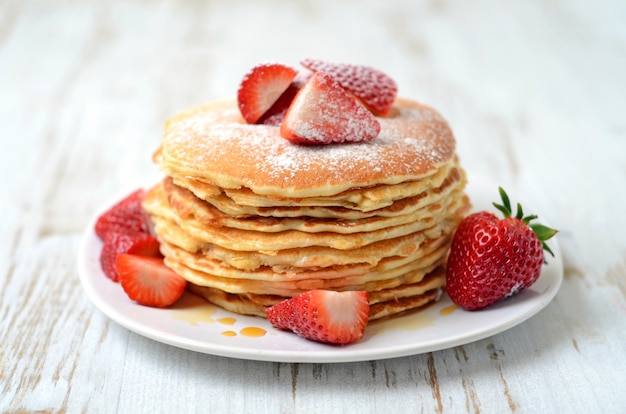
(196, 311)
(448, 309)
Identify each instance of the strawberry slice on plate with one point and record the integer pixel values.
(126, 216)
(376, 90)
(261, 87)
(116, 243)
(323, 315)
(148, 281)
(324, 113)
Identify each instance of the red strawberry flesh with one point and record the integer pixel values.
(323, 315)
(261, 87)
(274, 115)
(116, 243)
(148, 281)
(323, 113)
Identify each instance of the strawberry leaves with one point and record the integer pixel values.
(543, 232)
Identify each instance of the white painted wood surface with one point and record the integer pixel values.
(535, 92)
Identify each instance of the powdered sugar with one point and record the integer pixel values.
(218, 146)
(323, 112)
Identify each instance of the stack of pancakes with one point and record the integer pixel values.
(249, 219)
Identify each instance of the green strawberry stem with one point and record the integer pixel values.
(543, 232)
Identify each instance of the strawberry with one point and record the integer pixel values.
(126, 216)
(493, 258)
(145, 246)
(374, 89)
(323, 113)
(147, 280)
(323, 315)
(116, 243)
(261, 87)
(274, 115)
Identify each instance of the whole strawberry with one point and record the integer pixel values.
(493, 258)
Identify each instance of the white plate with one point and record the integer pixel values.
(196, 325)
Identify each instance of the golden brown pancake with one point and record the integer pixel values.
(250, 219)
(296, 208)
(212, 143)
(259, 240)
(383, 303)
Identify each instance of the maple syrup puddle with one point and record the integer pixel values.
(448, 309)
(252, 332)
(195, 310)
(249, 331)
(411, 322)
(227, 321)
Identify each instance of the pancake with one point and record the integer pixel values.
(186, 205)
(310, 257)
(362, 199)
(292, 208)
(212, 143)
(384, 303)
(252, 240)
(250, 219)
(340, 275)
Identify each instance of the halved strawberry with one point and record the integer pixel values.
(261, 87)
(274, 115)
(373, 88)
(116, 243)
(147, 280)
(126, 216)
(323, 113)
(145, 246)
(323, 315)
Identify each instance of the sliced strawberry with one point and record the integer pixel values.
(261, 87)
(126, 216)
(116, 243)
(323, 315)
(274, 115)
(147, 280)
(145, 246)
(373, 88)
(323, 113)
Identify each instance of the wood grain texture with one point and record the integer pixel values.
(535, 92)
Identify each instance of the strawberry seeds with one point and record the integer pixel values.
(327, 103)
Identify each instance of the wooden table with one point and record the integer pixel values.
(535, 92)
